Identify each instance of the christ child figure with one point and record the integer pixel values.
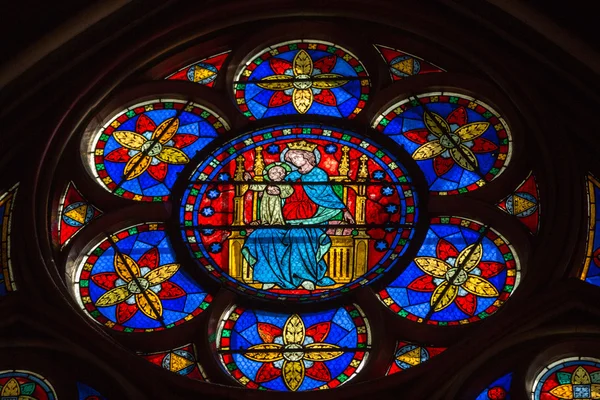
(272, 196)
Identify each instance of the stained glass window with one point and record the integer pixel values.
(293, 352)
(523, 203)
(303, 224)
(408, 355)
(497, 390)
(463, 272)
(88, 393)
(7, 281)
(181, 360)
(16, 384)
(130, 281)
(75, 212)
(139, 153)
(591, 266)
(459, 142)
(302, 77)
(202, 72)
(402, 64)
(570, 378)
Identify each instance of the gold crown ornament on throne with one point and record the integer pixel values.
(302, 145)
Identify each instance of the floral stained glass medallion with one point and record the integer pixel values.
(19, 385)
(293, 352)
(463, 272)
(591, 265)
(7, 282)
(410, 355)
(523, 203)
(302, 77)
(497, 390)
(131, 282)
(139, 153)
(285, 212)
(402, 65)
(203, 72)
(459, 142)
(86, 392)
(181, 360)
(572, 378)
(75, 213)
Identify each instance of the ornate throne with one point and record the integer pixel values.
(346, 259)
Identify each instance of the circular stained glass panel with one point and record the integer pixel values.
(302, 77)
(132, 282)
(463, 272)
(139, 153)
(24, 385)
(570, 378)
(299, 212)
(459, 142)
(293, 352)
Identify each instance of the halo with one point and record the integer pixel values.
(285, 166)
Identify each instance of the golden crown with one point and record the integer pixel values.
(302, 145)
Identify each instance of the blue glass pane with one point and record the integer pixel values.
(139, 286)
(460, 143)
(302, 78)
(293, 352)
(140, 152)
(463, 273)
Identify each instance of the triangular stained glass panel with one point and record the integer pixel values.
(203, 72)
(524, 204)
(408, 355)
(75, 213)
(402, 64)
(181, 360)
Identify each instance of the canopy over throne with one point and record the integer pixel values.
(346, 259)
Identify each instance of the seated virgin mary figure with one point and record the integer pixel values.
(292, 257)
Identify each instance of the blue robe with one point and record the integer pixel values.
(288, 257)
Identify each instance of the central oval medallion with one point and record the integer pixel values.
(299, 212)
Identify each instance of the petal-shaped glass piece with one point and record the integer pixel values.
(302, 77)
(301, 352)
(132, 282)
(569, 378)
(138, 153)
(459, 142)
(25, 385)
(463, 272)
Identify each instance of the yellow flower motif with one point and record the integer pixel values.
(293, 352)
(137, 285)
(581, 387)
(451, 141)
(149, 149)
(302, 82)
(456, 276)
(15, 391)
